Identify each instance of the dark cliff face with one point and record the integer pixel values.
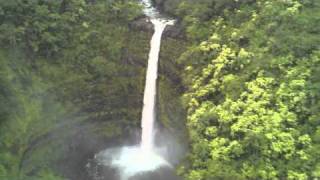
(167, 6)
(143, 24)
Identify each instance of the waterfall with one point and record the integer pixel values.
(148, 112)
(133, 160)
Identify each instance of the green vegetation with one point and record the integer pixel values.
(253, 89)
(64, 64)
(171, 111)
(249, 80)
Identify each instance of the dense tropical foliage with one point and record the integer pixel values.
(59, 61)
(253, 89)
(248, 79)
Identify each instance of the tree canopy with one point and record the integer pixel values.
(253, 90)
(60, 65)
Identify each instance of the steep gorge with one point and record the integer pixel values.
(92, 92)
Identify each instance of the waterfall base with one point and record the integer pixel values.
(133, 160)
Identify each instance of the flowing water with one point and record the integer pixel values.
(148, 112)
(145, 157)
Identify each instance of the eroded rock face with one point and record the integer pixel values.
(176, 31)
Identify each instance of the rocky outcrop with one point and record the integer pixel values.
(176, 31)
(144, 24)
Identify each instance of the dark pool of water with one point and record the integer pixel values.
(99, 172)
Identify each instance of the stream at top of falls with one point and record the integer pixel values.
(133, 161)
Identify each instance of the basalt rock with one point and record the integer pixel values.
(144, 24)
(176, 31)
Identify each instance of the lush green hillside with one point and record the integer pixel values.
(71, 83)
(64, 66)
(253, 89)
(72, 76)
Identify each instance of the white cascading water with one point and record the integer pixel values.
(145, 157)
(148, 112)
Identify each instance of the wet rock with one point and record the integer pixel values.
(176, 31)
(142, 24)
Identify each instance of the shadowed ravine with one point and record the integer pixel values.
(145, 160)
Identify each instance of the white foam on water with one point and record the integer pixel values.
(132, 160)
